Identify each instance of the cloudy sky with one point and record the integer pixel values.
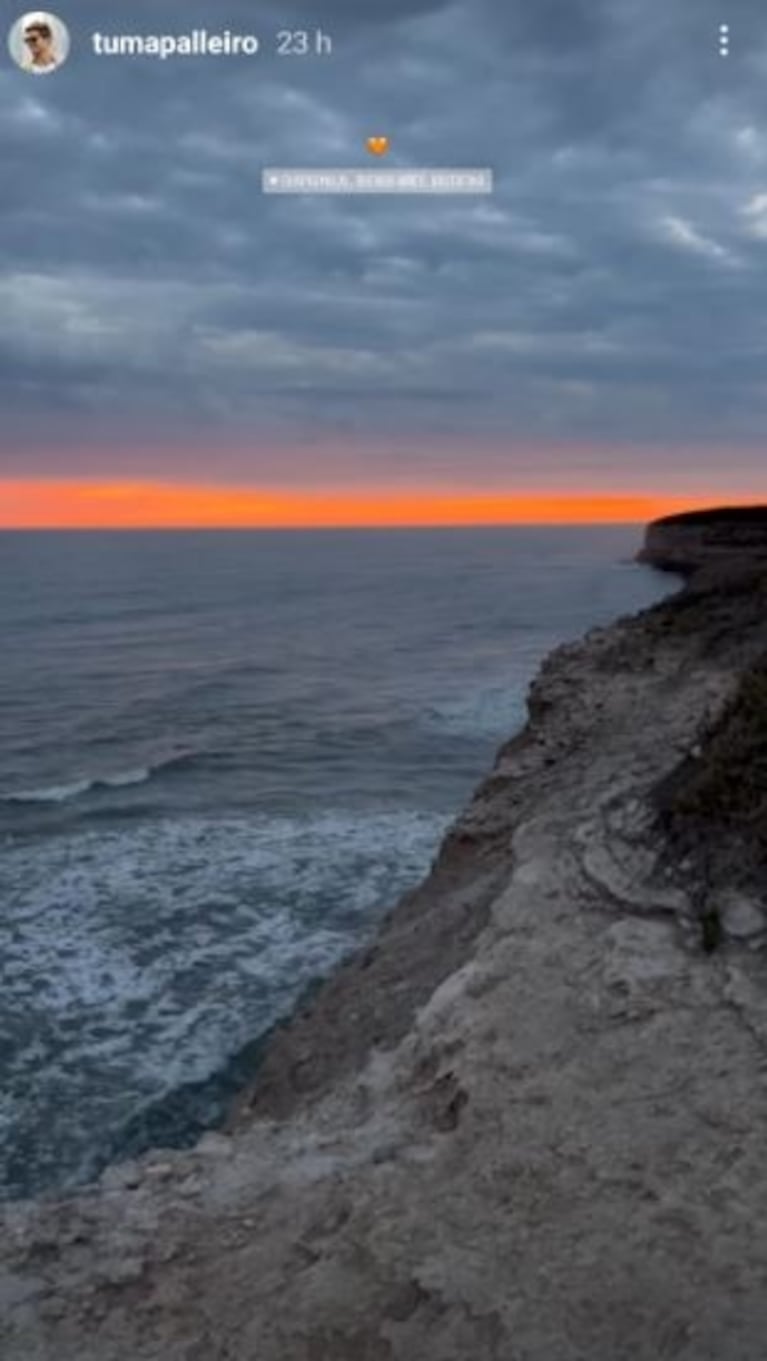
(598, 326)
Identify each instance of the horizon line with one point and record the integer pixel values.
(319, 529)
(79, 504)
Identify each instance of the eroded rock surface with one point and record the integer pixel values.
(528, 1125)
(683, 543)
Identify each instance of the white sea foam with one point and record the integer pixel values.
(126, 777)
(496, 710)
(75, 789)
(138, 960)
(55, 794)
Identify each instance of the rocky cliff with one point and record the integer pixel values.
(683, 543)
(527, 1125)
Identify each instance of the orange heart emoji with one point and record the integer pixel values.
(377, 146)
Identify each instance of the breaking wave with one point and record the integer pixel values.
(76, 789)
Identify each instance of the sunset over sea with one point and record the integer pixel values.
(224, 755)
(298, 489)
(118, 505)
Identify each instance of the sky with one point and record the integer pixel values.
(589, 342)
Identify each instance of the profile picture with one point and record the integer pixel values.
(39, 42)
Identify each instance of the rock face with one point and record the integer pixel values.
(683, 543)
(528, 1125)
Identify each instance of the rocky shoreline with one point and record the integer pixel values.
(526, 1125)
(704, 538)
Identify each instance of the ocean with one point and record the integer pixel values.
(222, 757)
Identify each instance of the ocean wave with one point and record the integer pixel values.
(76, 789)
(491, 713)
(144, 965)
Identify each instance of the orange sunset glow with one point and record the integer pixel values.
(147, 505)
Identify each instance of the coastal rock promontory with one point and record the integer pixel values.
(527, 1123)
(683, 543)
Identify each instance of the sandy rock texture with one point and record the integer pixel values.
(527, 1125)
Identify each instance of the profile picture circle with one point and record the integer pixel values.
(39, 42)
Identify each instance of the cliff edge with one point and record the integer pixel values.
(684, 543)
(527, 1124)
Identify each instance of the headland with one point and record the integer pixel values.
(527, 1123)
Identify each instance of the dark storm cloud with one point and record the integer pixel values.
(612, 290)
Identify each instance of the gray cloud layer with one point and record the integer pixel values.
(612, 293)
